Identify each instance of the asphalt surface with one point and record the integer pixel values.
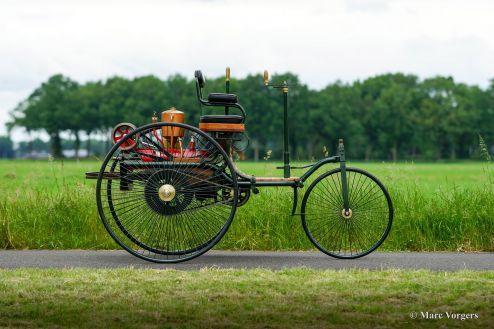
(439, 261)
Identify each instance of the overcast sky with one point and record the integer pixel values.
(321, 41)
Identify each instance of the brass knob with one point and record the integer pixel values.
(266, 77)
(227, 74)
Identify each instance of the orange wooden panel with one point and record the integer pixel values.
(228, 127)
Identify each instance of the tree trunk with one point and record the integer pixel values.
(56, 145)
(310, 150)
(438, 152)
(109, 140)
(368, 151)
(30, 146)
(453, 151)
(88, 144)
(77, 144)
(394, 151)
(293, 150)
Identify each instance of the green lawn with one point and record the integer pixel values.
(209, 298)
(429, 176)
(438, 206)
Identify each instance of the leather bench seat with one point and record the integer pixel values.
(222, 98)
(221, 119)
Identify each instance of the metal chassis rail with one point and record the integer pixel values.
(244, 181)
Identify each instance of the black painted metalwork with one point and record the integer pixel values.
(227, 87)
(286, 151)
(295, 200)
(353, 235)
(344, 186)
(204, 102)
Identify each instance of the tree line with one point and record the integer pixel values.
(388, 117)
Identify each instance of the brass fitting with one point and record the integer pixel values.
(266, 77)
(285, 87)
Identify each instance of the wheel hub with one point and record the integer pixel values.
(165, 195)
(347, 214)
(166, 192)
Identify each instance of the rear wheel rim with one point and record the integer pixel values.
(351, 234)
(167, 228)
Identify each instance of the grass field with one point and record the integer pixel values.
(440, 206)
(209, 298)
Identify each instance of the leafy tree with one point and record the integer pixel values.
(91, 120)
(389, 116)
(445, 116)
(335, 115)
(396, 102)
(49, 107)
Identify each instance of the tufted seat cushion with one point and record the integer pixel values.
(221, 119)
(222, 98)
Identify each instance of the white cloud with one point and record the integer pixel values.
(320, 40)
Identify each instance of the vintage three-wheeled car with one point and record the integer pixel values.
(168, 191)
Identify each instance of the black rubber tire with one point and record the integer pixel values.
(369, 225)
(174, 234)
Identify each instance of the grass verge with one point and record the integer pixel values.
(437, 207)
(211, 298)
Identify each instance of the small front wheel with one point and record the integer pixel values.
(353, 233)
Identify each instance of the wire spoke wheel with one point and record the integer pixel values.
(171, 197)
(353, 233)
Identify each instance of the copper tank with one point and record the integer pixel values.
(171, 134)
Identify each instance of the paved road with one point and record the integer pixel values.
(441, 261)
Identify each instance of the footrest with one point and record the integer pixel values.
(276, 179)
(106, 175)
(296, 167)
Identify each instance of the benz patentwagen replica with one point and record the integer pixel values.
(168, 191)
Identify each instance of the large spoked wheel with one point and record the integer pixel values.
(351, 234)
(171, 197)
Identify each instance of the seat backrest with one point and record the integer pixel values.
(201, 81)
(229, 101)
